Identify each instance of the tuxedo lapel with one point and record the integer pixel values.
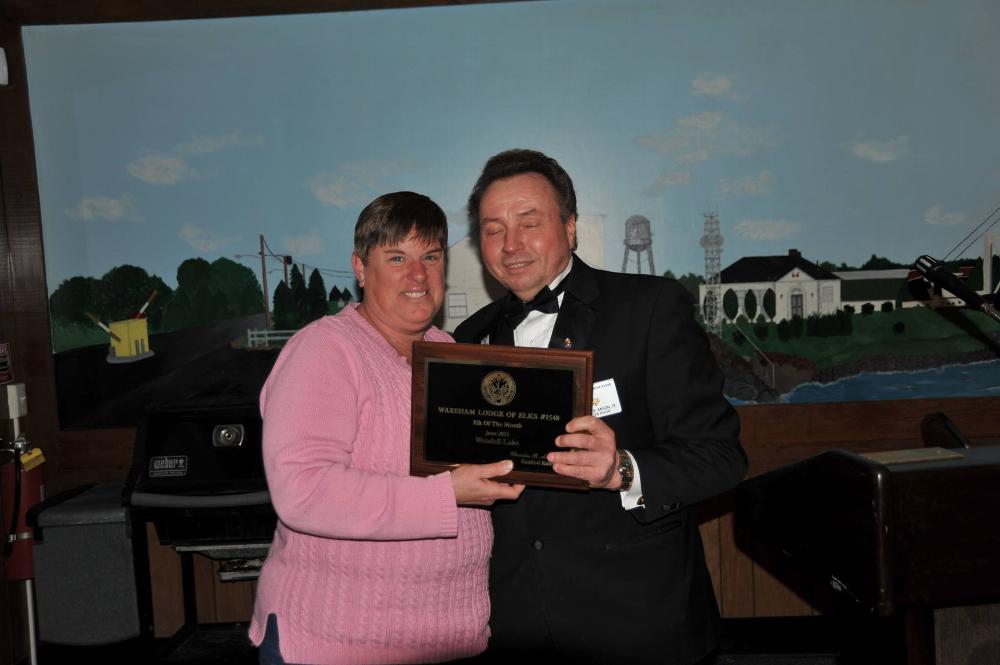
(480, 325)
(577, 314)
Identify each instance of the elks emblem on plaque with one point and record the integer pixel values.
(498, 388)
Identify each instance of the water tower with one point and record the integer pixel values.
(711, 242)
(638, 239)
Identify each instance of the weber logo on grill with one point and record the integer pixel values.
(168, 465)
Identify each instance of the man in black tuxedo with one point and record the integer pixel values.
(615, 574)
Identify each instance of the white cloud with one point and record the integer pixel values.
(702, 122)
(715, 87)
(336, 190)
(161, 169)
(171, 166)
(693, 157)
(881, 151)
(310, 244)
(767, 229)
(104, 207)
(353, 183)
(201, 145)
(667, 180)
(758, 185)
(698, 137)
(200, 239)
(936, 216)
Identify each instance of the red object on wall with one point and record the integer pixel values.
(20, 565)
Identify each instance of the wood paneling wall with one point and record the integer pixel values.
(777, 435)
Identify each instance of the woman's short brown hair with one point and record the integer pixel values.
(391, 218)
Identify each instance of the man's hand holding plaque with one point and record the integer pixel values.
(588, 452)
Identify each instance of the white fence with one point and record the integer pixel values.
(263, 339)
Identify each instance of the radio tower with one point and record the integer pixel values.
(639, 239)
(712, 243)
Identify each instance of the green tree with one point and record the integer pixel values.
(214, 291)
(300, 298)
(283, 313)
(770, 303)
(881, 263)
(796, 326)
(730, 304)
(190, 305)
(71, 301)
(316, 300)
(122, 291)
(691, 281)
(339, 299)
(784, 330)
(845, 321)
(239, 287)
(750, 305)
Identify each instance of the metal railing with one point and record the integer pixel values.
(264, 339)
(760, 352)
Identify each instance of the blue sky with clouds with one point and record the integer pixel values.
(839, 128)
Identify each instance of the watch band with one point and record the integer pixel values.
(626, 470)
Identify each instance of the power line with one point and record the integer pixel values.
(978, 226)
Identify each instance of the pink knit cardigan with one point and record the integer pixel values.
(368, 564)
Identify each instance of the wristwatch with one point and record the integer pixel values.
(626, 470)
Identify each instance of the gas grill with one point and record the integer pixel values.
(198, 476)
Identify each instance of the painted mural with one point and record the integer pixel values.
(786, 161)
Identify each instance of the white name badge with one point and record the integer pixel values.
(606, 402)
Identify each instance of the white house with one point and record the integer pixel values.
(799, 287)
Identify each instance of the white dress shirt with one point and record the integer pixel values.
(535, 331)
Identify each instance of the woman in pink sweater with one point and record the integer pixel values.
(369, 564)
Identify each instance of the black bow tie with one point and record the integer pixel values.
(516, 310)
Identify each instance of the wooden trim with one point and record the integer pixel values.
(24, 312)
(165, 582)
(38, 12)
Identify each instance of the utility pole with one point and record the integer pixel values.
(263, 277)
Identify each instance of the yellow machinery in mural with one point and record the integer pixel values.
(129, 337)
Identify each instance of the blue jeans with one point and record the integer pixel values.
(269, 652)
